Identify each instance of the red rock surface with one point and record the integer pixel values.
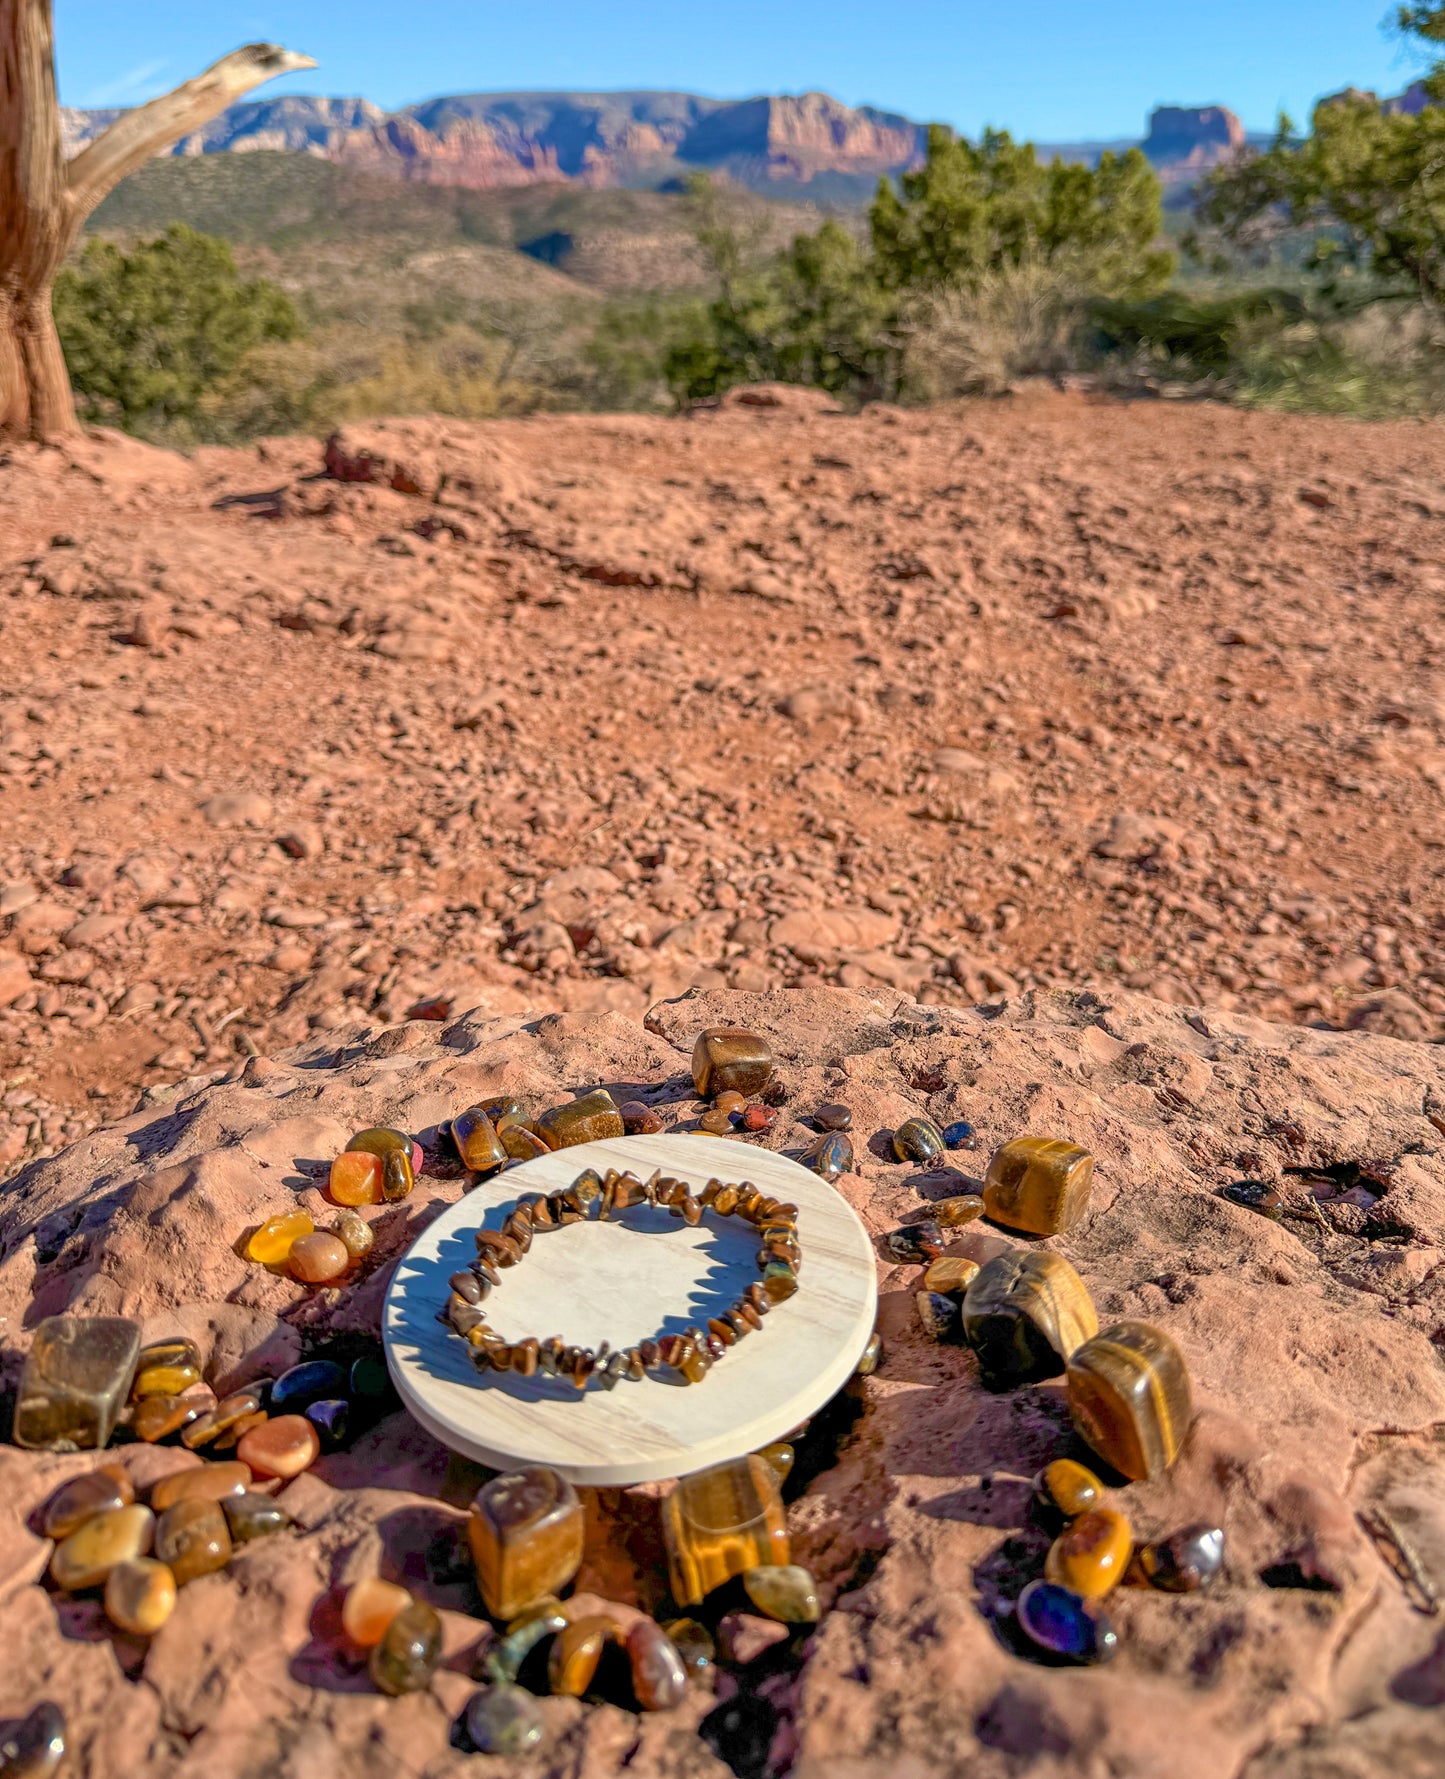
(1314, 1345)
(947, 704)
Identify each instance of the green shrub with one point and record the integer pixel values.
(151, 331)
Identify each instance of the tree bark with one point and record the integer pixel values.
(43, 202)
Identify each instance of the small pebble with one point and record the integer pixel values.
(254, 1516)
(1255, 1195)
(952, 1213)
(941, 1317)
(1183, 1562)
(784, 1591)
(318, 1258)
(36, 1746)
(694, 1643)
(716, 1123)
(960, 1135)
(872, 1356)
(1059, 1621)
(368, 1379)
(757, 1118)
(139, 1596)
(504, 1719)
(355, 1233)
(743, 1636)
(410, 1648)
(833, 1117)
(639, 1120)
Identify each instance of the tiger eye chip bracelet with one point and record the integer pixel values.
(689, 1355)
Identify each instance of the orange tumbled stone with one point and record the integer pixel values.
(369, 1607)
(272, 1242)
(282, 1447)
(202, 1482)
(355, 1178)
(318, 1258)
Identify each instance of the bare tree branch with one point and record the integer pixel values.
(132, 140)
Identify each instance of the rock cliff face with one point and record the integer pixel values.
(485, 140)
(1314, 1345)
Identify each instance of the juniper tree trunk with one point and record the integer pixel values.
(44, 199)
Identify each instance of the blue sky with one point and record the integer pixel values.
(1054, 70)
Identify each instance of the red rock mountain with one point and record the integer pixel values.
(772, 143)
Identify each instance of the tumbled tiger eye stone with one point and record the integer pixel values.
(918, 1140)
(916, 1241)
(833, 1117)
(87, 1556)
(694, 1643)
(833, 1156)
(721, 1521)
(271, 1244)
(504, 1719)
(139, 1596)
(872, 1356)
(1068, 1487)
(959, 1135)
(1184, 1561)
(175, 1349)
(495, 1246)
(75, 1381)
(158, 1416)
(659, 1678)
(576, 1652)
(783, 1591)
(477, 1141)
(207, 1482)
(639, 1120)
(192, 1539)
(369, 1607)
(380, 1139)
(1091, 1554)
(938, 1315)
(779, 1457)
(951, 1274)
(585, 1120)
(397, 1178)
(410, 1648)
(225, 1414)
(1040, 1184)
(730, 1058)
(35, 1747)
(503, 1105)
(355, 1178)
(521, 1142)
(163, 1380)
(1061, 1621)
(1024, 1314)
(354, 1233)
(951, 1213)
(75, 1502)
(254, 1516)
(318, 1258)
(283, 1446)
(1130, 1399)
(525, 1532)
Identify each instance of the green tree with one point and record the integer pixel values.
(150, 332)
(1371, 183)
(972, 208)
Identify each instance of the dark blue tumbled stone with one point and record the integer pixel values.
(329, 1417)
(1057, 1619)
(960, 1135)
(295, 1390)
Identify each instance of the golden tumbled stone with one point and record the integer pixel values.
(721, 1521)
(525, 1532)
(1130, 1398)
(477, 1140)
(1091, 1554)
(271, 1244)
(731, 1058)
(589, 1119)
(780, 1457)
(140, 1595)
(87, 1556)
(576, 1652)
(192, 1538)
(951, 1213)
(950, 1274)
(157, 1416)
(75, 1381)
(783, 1591)
(79, 1500)
(369, 1607)
(1068, 1487)
(203, 1482)
(1024, 1314)
(163, 1380)
(1039, 1184)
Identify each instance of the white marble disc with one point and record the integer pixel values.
(626, 1281)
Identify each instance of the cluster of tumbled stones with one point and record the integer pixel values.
(687, 1356)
